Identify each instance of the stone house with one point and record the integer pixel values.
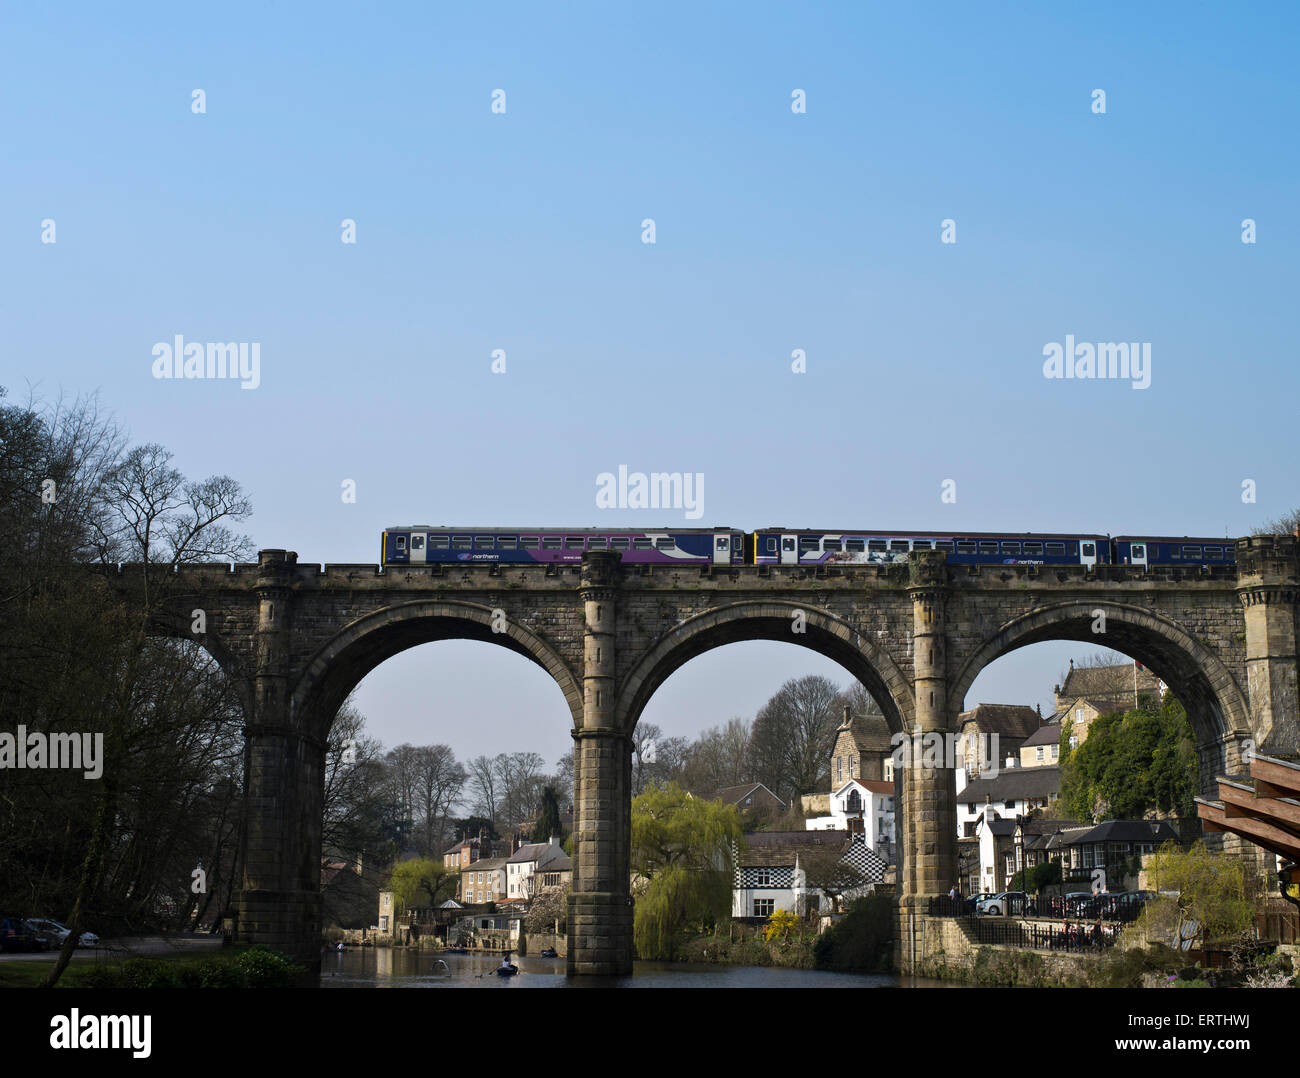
(863, 750)
(484, 880)
(866, 808)
(990, 733)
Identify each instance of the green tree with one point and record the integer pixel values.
(1132, 763)
(422, 881)
(683, 859)
(1210, 904)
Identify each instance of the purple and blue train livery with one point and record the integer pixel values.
(429, 544)
(425, 544)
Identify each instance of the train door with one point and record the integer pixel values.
(721, 548)
(1137, 553)
(418, 540)
(789, 550)
(1087, 552)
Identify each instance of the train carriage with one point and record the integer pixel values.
(790, 546)
(427, 544)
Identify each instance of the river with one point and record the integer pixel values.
(383, 967)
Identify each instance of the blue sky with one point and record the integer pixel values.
(774, 231)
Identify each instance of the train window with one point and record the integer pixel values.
(898, 545)
(965, 546)
(1191, 552)
(620, 542)
(722, 543)
(944, 544)
(832, 544)
(1214, 552)
(573, 542)
(439, 542)
(460, 542)
(1174, 550)
(1057, 549)
(508, 542)
(855, 546)
(528, 542)
(597, 542)
(876, 545)
(664, 542)
(1010, 548)
(401, 543)
(482, 542)
(1033, 548)
(642, 544)
(771, 544)
(550, 542)
(920, 544)
(807, 542)
(417, 542)
(988, 548)
(787, 542)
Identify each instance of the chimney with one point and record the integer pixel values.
(848, 718)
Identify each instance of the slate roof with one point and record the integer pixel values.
(764, 848)
(1045, 735)
(1014, 721)
(1107, 683)
(1012, 785)
(733, 795)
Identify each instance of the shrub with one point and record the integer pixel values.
(149, 973)
(265, 968)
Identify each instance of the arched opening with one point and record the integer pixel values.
(456, 798)
(1085, 703)
(1216, 706)
(338, 667)
(796, 835)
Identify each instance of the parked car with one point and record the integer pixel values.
(1078, 904)
(1015, 903)
(59, 932)
(18, 935)
(973, 902)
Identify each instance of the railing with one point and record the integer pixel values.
(1116, 908)
(1043, 936)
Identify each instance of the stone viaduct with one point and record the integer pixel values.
(296, 638)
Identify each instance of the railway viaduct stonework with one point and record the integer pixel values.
(297, 638)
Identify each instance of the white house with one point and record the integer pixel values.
(861, 806)
(532, 868)
(770, 876)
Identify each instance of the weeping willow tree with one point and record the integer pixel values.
(683, 863)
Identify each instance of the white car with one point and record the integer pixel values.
(59, 932)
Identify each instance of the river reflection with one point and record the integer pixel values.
(383, 967)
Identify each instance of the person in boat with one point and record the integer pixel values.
(506, 965)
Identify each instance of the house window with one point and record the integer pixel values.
(764, 907)
(852, 761)
(839, 768)
(1074, 742)
(1078, 714)
(763, 877)
(383, 924)
(1038, 754)
(1056, 751)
